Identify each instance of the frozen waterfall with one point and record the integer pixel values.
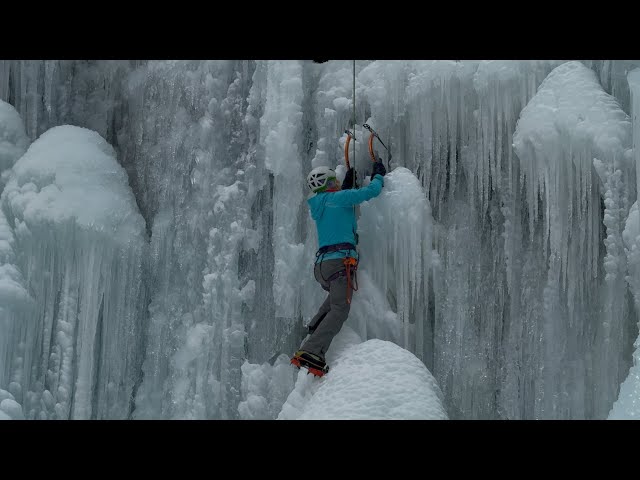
(156, 249)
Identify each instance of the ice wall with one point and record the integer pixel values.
(210, 150)
(627, 405)
(13, 138)
(16, 306)
(15, 300)
(194, 149)
(396, 241)
(572, 142)
(80, 245)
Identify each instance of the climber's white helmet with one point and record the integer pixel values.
(319, 177)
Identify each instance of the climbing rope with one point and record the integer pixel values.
(353, 122)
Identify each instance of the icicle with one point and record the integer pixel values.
(79, 234)
(203, 294)
(396, 229)
(193, 136)
(280, 129)
(627, 404)
(568, 123)
(5, 74)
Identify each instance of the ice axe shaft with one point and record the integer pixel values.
(376, 135)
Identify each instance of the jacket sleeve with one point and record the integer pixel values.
(347, 198)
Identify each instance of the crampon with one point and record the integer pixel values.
(312, 363)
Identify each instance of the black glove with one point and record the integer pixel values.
(348, 179)
(378, 169)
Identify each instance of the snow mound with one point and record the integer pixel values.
(374, 380)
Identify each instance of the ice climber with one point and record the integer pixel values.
(336, 260)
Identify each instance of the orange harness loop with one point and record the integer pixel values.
(348, 263)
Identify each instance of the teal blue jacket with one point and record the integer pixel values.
(335, 216)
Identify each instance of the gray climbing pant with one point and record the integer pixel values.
(334, 310)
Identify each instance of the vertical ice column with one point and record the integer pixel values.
(439, 129)
(627, 405)
(80, 243)
(169, 154)
(16, 303)
(570, 121)
(13, 138)
(195, 160)
(16, 315)
(280, 133)
(503, 88)
(395, 231)
(440, 147)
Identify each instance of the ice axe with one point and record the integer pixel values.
(375, 134)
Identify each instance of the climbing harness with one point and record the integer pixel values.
(350, 266)
(322, 251)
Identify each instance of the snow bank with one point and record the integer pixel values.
(371, 380)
